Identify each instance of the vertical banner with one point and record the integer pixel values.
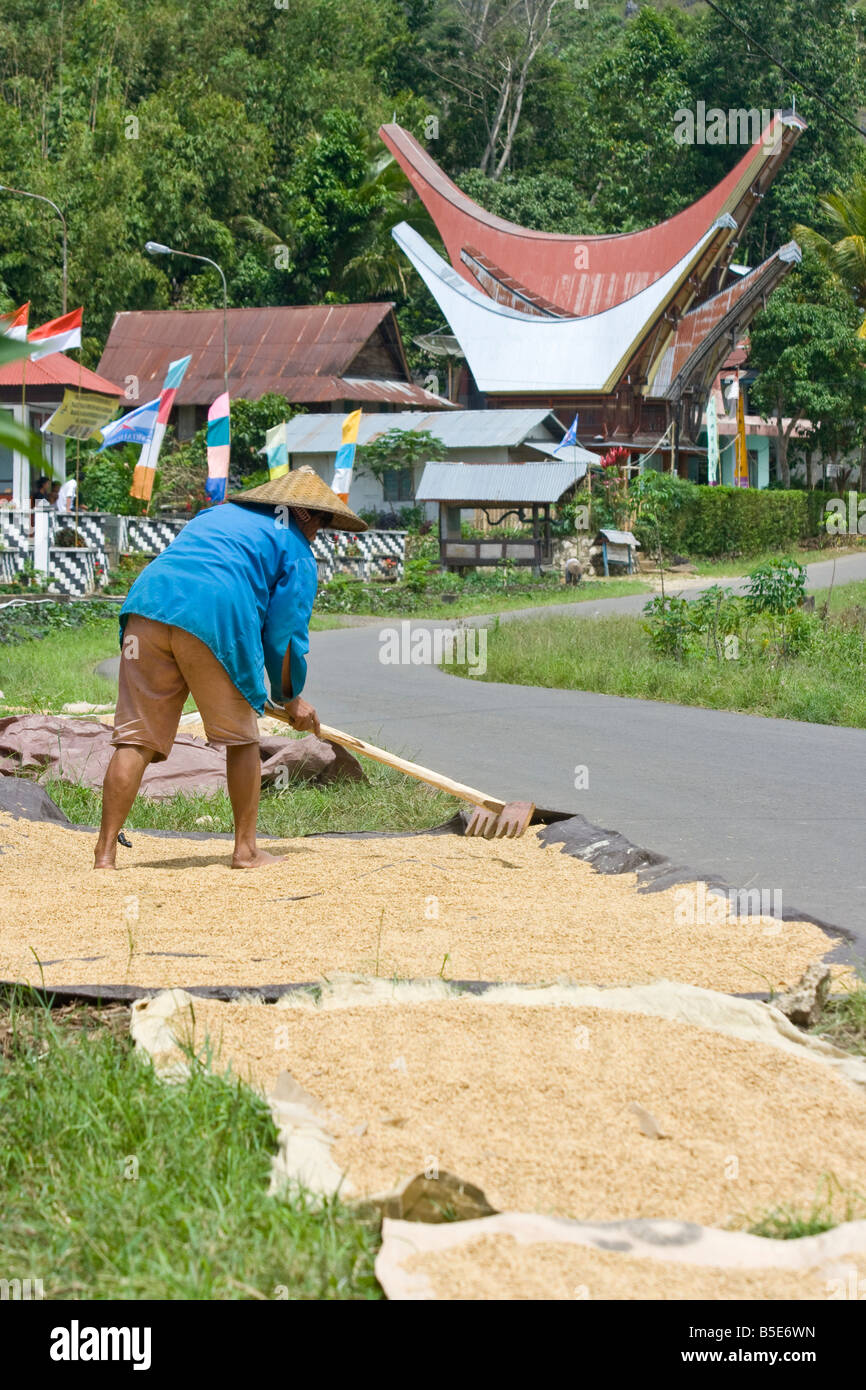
(741, 472)
(142, 478)
(218, 449)
(712, 442)
(346, 456)
(276, 451)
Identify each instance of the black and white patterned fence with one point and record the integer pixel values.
(370, 555)
(81, 570)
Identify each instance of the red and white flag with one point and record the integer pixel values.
(57, 336)
(14, 325)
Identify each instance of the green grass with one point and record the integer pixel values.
(388, 801)
(613, 656)
(831, 1206)
(745, 564)
(118, 1186)
(49, 672)
(489, 600)
(843, 1022)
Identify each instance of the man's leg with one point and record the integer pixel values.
(244, 776)
(119, 790)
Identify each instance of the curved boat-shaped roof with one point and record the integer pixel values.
(586, 275)
(508, 350)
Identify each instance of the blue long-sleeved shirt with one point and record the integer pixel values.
(242, 581)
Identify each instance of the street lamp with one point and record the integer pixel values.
(156, 248)
(22, 193)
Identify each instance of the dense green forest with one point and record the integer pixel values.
(247, 132)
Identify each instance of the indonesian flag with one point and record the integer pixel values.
(142, 478)
(14, 325)
(346, 456)
(57, 336)
(218, 449)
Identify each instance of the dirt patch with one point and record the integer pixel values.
(499, 1267)
(587, 1113)
(467, 909)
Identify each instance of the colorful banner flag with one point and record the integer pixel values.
(712, 442)
(142, 478)
(276, 451)
(218, 449)
(570, 436)
(81, 414)
(135, 427)
(57, 336)
(346, 456)
(14, 325)
(741, 470)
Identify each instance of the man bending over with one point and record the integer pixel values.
(226, 605)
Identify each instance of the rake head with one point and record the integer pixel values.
(508, 823)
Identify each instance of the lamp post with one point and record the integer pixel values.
(22, 193)
(156, 248)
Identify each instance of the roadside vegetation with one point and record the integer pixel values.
(762, 653)
(118, 1186)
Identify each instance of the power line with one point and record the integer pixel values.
(729, 19)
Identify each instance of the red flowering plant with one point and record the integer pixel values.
(614, 481)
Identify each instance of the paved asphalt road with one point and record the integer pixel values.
(761, 803)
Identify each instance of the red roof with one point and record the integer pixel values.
(56, 370)
(584, 275)
(305, 353)
(699, 331)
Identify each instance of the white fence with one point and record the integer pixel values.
(30, 538)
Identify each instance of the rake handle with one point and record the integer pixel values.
(380, 755)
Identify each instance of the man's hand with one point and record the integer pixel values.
(302, 716)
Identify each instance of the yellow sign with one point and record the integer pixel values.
(82, 414)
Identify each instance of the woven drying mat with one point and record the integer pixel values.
(176, 914)
(592, 1113)
(500, 1265)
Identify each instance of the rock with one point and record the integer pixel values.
(205, 820)
(804, 1004)
(29, 801)
(435, 1200)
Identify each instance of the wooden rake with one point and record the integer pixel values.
(492, 818)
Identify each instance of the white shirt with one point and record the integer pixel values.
(66, 496)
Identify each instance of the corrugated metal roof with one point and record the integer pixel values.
(572, 453)
(458, 429)
(619, 537)
(696, 327)
(56, 370)
(500, 483)
(304, 352)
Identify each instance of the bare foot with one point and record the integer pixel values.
(103, 862)
(259, 859)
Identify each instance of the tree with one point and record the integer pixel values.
(845, 258)
(811, 364)
(484, 52)
(398, 449)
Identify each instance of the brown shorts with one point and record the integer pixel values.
(158, 669)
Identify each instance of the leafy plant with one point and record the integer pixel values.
(776, 587)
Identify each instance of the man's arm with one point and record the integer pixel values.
(285, 639)
(301, 714)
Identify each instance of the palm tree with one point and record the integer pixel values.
(846, 257)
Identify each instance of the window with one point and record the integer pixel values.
(397, 485)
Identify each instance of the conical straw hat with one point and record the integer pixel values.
(301, 487)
